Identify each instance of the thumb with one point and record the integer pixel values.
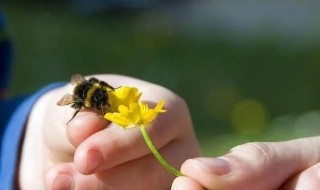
(253, 166)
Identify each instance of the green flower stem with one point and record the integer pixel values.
(157, 154)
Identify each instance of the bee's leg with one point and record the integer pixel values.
(74, 115)
(105, 108)
(108, 107)
(102, 109)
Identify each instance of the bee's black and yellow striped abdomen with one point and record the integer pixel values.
(96, 96)
(92, 94)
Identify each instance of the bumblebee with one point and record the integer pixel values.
(91, 93)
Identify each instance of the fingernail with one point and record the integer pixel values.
(176, 187)
(63, 181)
(215, 166)
(94, 158)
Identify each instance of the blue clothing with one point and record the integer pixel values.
(11, 134)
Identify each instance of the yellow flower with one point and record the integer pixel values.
(123, 96)
(136, 114)
(128, 111)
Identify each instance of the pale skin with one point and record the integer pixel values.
(92, 153)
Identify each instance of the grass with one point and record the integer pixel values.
(212, 73)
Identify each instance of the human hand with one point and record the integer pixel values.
(91, 153)
(290, 165)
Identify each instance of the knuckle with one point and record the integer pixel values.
(180, 104)
(177, 115)
(261, 153)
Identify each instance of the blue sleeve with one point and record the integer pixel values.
(7, 107)
(12, 136)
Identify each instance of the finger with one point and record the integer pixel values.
(115, 145)
(146, 172)
(88, 121)
(307, 179)
(143, 173)
(185, 183)
(252, 166)
(85, 124)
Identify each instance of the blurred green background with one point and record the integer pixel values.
(248, 73)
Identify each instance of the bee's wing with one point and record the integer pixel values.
(77, 79)
(67, 99)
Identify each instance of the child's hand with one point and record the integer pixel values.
(91, 153)
(290, 165)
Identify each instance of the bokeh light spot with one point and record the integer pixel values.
(249, 117)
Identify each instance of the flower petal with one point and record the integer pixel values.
(128, 111)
